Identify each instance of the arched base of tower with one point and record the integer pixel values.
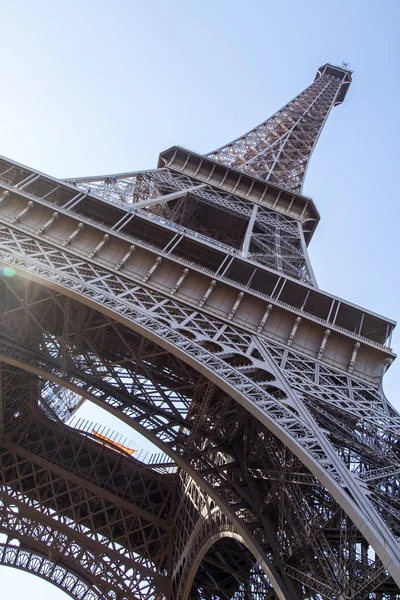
(225, 568)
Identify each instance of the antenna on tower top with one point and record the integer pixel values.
(345, 65)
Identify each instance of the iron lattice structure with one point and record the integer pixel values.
(182, 301)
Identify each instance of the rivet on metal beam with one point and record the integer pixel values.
(74, 234)
(125, 258)
(327, 333)
(153, 268)
(264, 319)
(185, 272)
(208, 292)
(48, 223)
(24, 211)
(99, 246)
(356, 348)
(236, 305)
(297, 322)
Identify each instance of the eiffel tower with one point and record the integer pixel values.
(182, 301)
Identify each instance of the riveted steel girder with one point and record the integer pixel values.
(182, 301)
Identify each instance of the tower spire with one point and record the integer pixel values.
(279, 149)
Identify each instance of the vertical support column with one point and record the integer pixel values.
(125, 257)
(64, 339)
(5, 194)
(297, 322)
(280, 291)
(181, 279)
(323, 343)
(336, 312)
(236, 305)
(249, 231)
(306, 257)
(226, 263)
(278, 251)
(30, 179)
(153, 268)
(208, 292)
(120, 222)
(100, 245)
(48, 224)
(264, 319)
(178, 237)
(361, 324)
(74, 201)
(74, 234)
(23, 212)
(356, 348)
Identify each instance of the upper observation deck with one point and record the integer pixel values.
(339, 72)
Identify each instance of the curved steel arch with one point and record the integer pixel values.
(211, 525)
(79, 390)
(84, 516)
(202, 550)
(70, 574)
(308, 434)
(40, 566)
(210, 355)
(256, 549)
(205, 362)
(227, 552)
(33, 556)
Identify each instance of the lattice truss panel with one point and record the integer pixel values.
(220, 218)
(210, 559)
(89, 519)
(230, 567)
(242, 416)
(280, 148)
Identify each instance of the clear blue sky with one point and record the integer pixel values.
(95, 87)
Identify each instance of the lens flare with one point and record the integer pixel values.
(8, 271)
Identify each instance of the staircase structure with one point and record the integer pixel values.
(182, 300)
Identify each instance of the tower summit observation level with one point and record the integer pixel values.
(182, 300)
